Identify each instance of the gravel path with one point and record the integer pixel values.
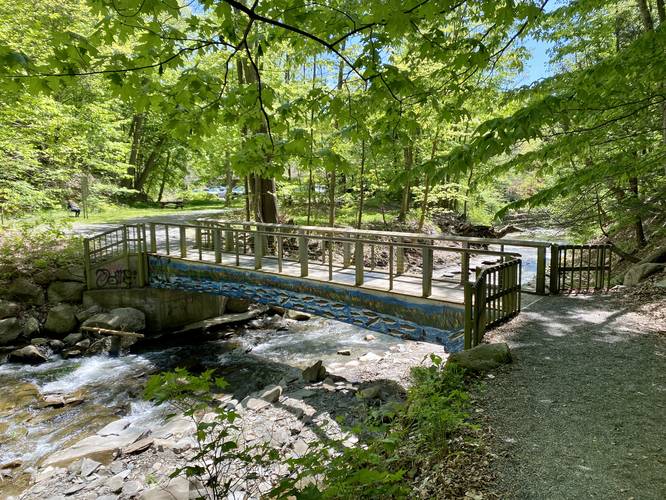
(581, 413)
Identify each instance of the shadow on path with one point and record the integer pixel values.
(581, 413)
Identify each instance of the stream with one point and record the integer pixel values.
(107, 388)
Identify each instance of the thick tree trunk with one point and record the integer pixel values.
(266, 207)
(165, 173)
(646, 17)
(136, 132)
(230, 182)
(361, 197)
(150, 165)
(404, 204)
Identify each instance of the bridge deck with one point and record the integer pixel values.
(373, 279)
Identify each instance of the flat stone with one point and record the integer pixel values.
(89, 466)
(99, 448)
(75, 489)
(131, 488)
(72, 338)
(271, 393)
(114, 428)
(301, 447)
(88, 313)
(255, 404)
(176, 427)
(482, 357)
(369, 356)
(138, 447)
(115, 483)
(298, 315)
(178, 488)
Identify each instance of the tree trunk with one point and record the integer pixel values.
(638, 223)
(424, 204)
(646, 17)
(264, 189)
(230, 181)
(136, 132)
(310, 158)
(165, 172)
(150, 164)
(404, 204)
(362, 189)
(246, 185)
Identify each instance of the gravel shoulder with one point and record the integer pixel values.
(581, 412)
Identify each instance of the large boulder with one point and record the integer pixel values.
(66, 291)
(639, 272)
(31, 327)
(126, 319)
(26, 291)
(10, 330)
(29, 354)
(9, 309)
(61, 319)
(71, 273)
(482, 357)
(658, 255)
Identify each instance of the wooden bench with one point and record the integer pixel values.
(174, 204)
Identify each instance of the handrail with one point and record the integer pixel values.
(397, 234)
(492, 299)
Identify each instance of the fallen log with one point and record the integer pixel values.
(106, 331)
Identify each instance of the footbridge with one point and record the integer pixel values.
(443, 289)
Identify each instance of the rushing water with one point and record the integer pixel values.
(112, 387)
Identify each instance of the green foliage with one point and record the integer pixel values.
(32, 246)
(221, 462)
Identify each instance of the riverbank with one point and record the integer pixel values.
(268, 351)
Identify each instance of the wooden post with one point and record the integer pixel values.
(426, 278)
(469, 314)
(399, 259)
(358, 261)
(87, 266)
(303, 256)
(153, 238)
(183, 242)
(541, 271)
(258, 249)
(140, 256)
(346, 254)
(390, 266)
(464, 264)
(126, 249)
(480, 313)
(228, 239)
(217, 244)
(554, 269)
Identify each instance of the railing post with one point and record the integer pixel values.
(126, 249)
(228, 239)
(399, 258)
(153, 238)
(541, 271)
(140, 255)
(303, 254)
(469, 314)
(87, 265)
(217, 244)
(464, 264)
(359, 262)
(258, 249)
(554, 269)
(183, 242)
(427, 271)
(346, 254)
(480, 313)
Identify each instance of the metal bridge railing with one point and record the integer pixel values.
(492, 299)
(274, 246)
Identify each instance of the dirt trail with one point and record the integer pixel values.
(581, 413)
